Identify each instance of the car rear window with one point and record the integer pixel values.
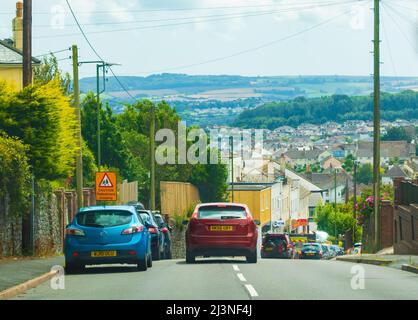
(217, 212)
(105, 218)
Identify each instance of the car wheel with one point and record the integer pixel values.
(149, 260)
(252, 257)
(72, 268)
(168, 254)
(190, 257)
(156, 255)
(143, 264)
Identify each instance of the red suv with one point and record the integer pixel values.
(221, 229)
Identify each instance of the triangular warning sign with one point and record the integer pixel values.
(106, 183)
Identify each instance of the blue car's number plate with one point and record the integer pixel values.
(99, 254)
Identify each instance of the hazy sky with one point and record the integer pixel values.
(264, 37)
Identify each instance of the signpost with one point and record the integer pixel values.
(106, 186)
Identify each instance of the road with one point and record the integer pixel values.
(233, 278)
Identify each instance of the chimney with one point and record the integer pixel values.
(18, 26)
(309, 172)
(282, 163)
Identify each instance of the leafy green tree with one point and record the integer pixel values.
(49, 70)
(42, 118)
(396, 134)
(14, 174)
(348, 164)
(327, 217)
(365, 174)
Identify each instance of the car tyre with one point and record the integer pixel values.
(168, 254)
(252, 257)
(143, 264)
(156, 255)
(190, 257)
(149, 260)
(73, 268)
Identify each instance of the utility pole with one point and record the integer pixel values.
(99, 109)
(152, 155)
(27, 43)
(376, 119)
(79, 162)
(355, 201)
(335, 204)
(231, 149)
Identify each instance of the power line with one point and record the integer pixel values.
(237, 15)
(399, 27)
(252, 49)
(52, 53)
(95, 51)
(179, 9)
(389, 49)
(193, 22)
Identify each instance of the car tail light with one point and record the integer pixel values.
(194, 215)
(164, 230)
(75, 254)
(152, 230)
(74, 232)
(133, 229)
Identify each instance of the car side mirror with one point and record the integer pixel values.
(257, 222)
(185, 222)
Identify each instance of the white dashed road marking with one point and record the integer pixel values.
(251, 290)
(241, 277)
(235, 267)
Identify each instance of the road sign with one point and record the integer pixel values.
(106, 188)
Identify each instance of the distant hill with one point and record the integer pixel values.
(337, 108)
(219, 99)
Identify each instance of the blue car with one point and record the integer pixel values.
(107, 235)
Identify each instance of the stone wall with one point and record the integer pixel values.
(10, 231)
(178, 244)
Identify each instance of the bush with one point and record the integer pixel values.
(14, 174)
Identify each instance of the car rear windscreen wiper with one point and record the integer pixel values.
(94, 225)
(230, 217)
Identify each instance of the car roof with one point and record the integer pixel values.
(104, 208)
(222, 204)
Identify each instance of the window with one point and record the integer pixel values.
(104, 218)
(214, 212)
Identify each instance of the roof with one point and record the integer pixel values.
(395, 172)
(249, 187)
(92, 208)
(326, 181)
(303, 154)
(388, 149)
(9, 55)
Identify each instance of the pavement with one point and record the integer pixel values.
(389, 260)
(17, 271)
(234, 279)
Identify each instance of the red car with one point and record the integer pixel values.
(221, 229)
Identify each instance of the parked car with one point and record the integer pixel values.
(311, 251)
(107, 235)
(166, 229)
(327, 253)
(221, 229)
(138, 205)
(337, 250)
(357, 248)
(157, 236)
(277, 246)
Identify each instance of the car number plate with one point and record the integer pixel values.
(221, 228)
(268, 249)
(98, 254)
(310, 253)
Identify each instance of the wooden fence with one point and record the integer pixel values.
(127, 191)
(178, 197)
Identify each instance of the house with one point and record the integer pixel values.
(300, 158)
(256, 196)
(389, 150)
(330, 162)
(11, 56)
(392, 173)
(329, 186)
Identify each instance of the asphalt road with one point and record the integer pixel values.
(229, 278)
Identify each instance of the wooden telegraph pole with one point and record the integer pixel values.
(376, 119)
(79, 162)
(27, 43)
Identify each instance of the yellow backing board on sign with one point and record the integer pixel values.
(106, 187)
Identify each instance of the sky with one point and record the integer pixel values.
(238, 37)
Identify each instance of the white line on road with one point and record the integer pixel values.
(235, 267)
(241, 277)
(251, 290)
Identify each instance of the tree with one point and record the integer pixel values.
(49, 70)
(42, 118)
(14, 174)
(396, 134)
(365, 174)
(327, 217)
(348, 164)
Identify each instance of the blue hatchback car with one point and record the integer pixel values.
(107, 235)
